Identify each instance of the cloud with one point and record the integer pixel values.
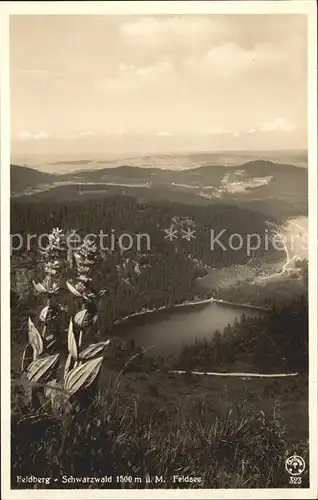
(277, 125)
(164, 134)
(160, 69)
(162, 30)
(85, 133)
(230, 59)
(26, 135)
(126, 67)
(160, 74)
(219, 46)
(74, 135)
(220, 131)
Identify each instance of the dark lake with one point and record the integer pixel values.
(169, 329)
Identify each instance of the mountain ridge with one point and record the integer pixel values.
(262, 183)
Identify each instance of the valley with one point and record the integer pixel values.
(178, 312)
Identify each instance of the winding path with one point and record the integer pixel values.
(288, 251)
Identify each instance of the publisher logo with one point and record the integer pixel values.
(295, 465)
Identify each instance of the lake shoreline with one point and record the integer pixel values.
(190, 304)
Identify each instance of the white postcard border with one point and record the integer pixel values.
(306, 7)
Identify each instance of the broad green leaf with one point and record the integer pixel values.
(41, 368)
(93, 350)
(35, 339)
(81, 318)
(83, 376)
(80, 338)
(73, 290)
(71, 341)
(44, 313)
(67, 366)
(26, 356)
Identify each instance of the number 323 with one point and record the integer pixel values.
(295, 480)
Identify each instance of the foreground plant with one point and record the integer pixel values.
(42, 357)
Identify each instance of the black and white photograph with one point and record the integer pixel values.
(161, 181)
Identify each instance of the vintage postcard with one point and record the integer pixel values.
(159, 250)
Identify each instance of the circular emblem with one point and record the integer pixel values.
(295, 465)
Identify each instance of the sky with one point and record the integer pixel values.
(138, 84)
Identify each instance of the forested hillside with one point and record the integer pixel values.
(275, 342)
(157, 272)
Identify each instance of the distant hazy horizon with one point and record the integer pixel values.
(107, 155)
(60, 164)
